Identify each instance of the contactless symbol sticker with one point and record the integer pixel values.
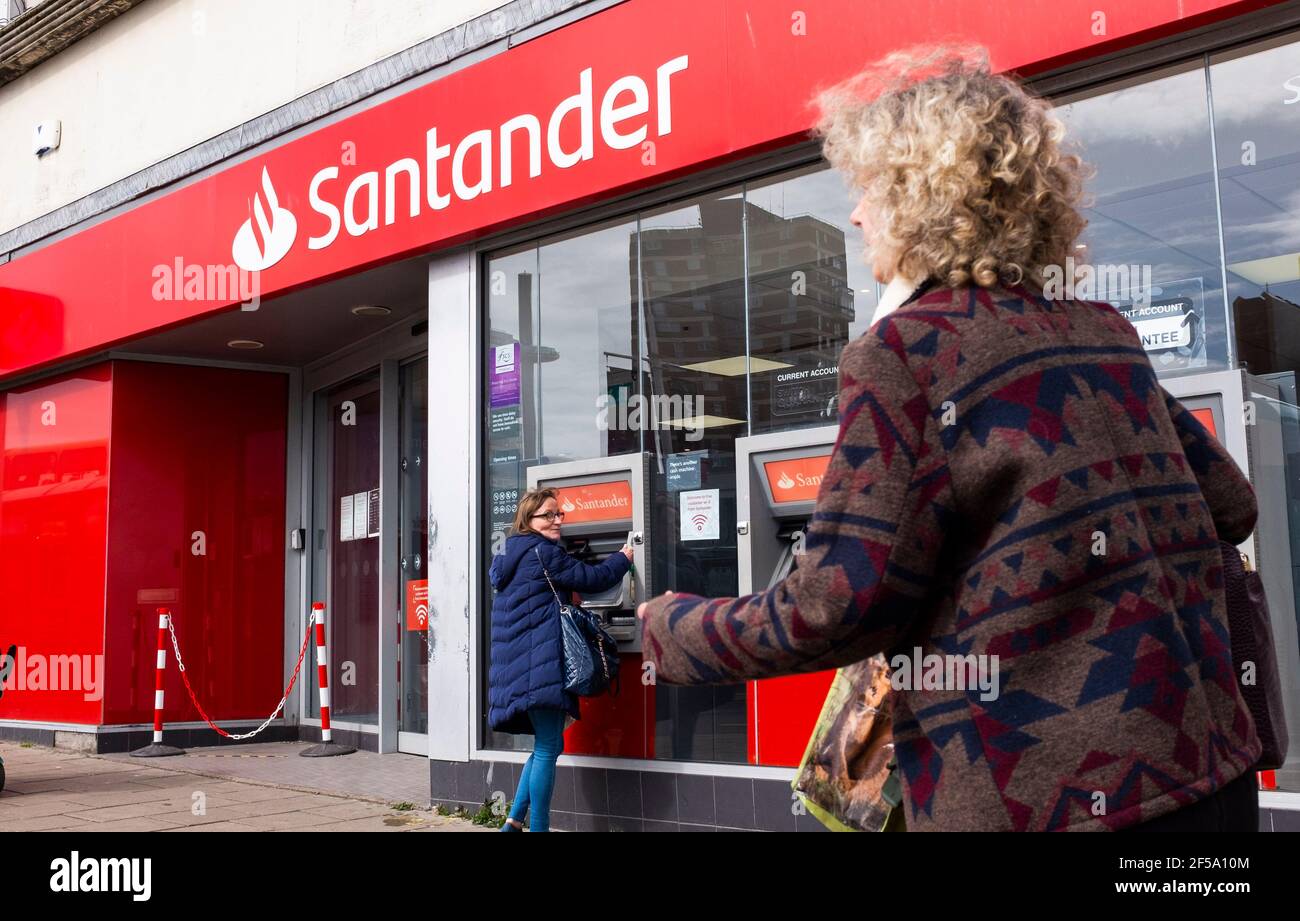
(263, 241)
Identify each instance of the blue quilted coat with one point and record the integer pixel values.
(527, 667)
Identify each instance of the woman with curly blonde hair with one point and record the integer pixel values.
(1015, 513)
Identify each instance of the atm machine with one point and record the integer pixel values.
(1254, 417)
(604, 504)
(778, 476)
(603, 500)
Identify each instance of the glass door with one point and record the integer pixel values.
(412, 547)
(345, 565)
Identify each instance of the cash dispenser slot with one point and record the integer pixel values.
(616, 604)
(789, 535)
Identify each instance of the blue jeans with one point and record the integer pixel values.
(537, 780)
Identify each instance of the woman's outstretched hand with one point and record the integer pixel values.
(640, 609)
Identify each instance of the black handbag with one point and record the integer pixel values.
(590, 653)
(1251, 638)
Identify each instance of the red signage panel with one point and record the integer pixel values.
(608, 501)
(631, 96)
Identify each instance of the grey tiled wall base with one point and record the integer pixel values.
(1279, 820)
(609, 799)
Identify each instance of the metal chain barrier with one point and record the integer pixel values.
(238, 737)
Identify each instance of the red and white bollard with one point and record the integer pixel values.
(326, 747)
(157, 749)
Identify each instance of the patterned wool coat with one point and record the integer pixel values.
(1011, 480)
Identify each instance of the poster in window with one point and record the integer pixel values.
(1170, 322)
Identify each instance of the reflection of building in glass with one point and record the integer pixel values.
(800, 309)
(1268, 333)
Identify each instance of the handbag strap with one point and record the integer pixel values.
(548, 577)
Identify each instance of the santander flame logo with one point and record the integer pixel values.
(262, 242)
(567, 505)
(784, 481)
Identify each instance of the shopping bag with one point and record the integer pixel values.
(847, 778)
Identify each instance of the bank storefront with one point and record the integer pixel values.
(681, 351)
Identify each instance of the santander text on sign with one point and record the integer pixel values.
(479, 162)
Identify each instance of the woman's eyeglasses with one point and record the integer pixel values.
(549, 516)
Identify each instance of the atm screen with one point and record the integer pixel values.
(597, 503)
(795, 479)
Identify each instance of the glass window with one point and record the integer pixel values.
(810, 292)
(660, 306)
(696, 350)
(563, 343)
(1256, 96)
(737, 304)
(1153, 221)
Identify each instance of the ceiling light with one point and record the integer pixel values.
(706, 421)
(736, 365)
(1273, 270)
(370, 310)
(246, 344)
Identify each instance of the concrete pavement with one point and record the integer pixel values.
(261, 787)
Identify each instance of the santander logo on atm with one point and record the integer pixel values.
(481, 161)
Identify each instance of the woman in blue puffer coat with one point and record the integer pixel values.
(526, 679)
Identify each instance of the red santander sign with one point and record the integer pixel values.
(450, 171)
(628, 97)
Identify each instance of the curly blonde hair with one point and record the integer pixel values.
(963, 171)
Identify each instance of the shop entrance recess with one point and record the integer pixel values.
(369, 552)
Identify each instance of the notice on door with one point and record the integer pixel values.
(345, 518)
(360, 515)
(417, 604)
(700, 515)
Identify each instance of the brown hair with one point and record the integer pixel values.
(528, 506)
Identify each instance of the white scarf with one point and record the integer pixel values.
(896, 292)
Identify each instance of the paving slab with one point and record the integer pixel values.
(264, 787)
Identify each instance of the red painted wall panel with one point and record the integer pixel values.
(197, 449)
(623, 725)
(752, 71)
(53, 512)
(780, 715)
